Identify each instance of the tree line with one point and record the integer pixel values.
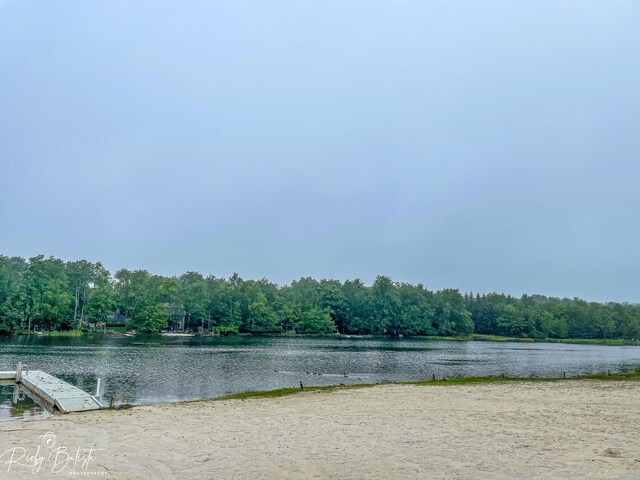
(46, 293)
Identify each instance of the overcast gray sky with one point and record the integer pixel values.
(488, 146)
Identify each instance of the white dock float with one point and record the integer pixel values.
(54, 392)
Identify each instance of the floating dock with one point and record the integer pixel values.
(53, 392)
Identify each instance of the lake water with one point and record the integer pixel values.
(134, 370)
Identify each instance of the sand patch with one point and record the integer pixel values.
(572, 429)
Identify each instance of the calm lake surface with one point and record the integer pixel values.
(135, 370)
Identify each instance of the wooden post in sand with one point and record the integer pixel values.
(301, 386)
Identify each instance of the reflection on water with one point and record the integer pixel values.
(17, 402)
(135, 370)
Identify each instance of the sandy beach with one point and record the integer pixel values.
(571, 429)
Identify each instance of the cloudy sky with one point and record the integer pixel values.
(489, 146)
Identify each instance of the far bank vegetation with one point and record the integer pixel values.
(48, 294)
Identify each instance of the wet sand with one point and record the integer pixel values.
(568, 429)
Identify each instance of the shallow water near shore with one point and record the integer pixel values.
(138, 370)
(16, 402)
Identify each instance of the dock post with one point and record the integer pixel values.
(19, 372)
(98, 389)
(16, 394)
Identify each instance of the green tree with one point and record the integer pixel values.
(42, 298)
(386, 306)
(100, 302)
(149, 319)
(417, 311)
(193, 296)
(512, 321)
(12, 270)
(314, 321)
(261, 318)
(451, 314)
(357, 308)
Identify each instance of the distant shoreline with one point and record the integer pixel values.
(475, 337)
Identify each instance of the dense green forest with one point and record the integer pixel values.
(50, 294)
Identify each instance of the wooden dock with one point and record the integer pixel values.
(53, 392)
